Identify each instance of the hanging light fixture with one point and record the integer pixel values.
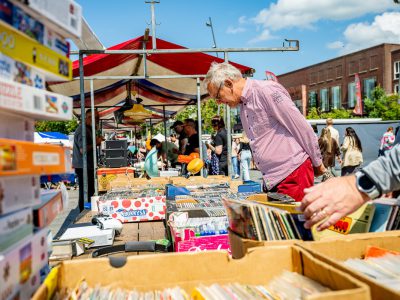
(138, 112)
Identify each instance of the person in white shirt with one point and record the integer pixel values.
(333, 130)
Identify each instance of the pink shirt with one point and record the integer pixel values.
(280, 137)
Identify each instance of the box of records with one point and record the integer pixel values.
(264, 273)
(373, 258)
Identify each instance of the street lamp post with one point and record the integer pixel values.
(209, 24)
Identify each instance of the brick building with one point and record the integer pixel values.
(330, 84)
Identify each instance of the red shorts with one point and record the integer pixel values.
(297, 181)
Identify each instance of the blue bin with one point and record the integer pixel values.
(171, 191)
(250, 187)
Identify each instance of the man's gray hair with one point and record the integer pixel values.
(218, 73)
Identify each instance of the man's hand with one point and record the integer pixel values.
(318, 171)
(331, 200)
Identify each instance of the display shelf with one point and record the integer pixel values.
(24, 100)
(18, 46)
(62, 16)
(26, 158)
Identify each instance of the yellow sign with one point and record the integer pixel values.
(17, 46)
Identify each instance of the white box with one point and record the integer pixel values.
(14, 227)
(63, 16)
(18, 192)
(16, 127)
(34, 103)
(101, 237)
(22, 262)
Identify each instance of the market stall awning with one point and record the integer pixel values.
(110, 94)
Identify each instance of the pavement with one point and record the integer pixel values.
(71, 213)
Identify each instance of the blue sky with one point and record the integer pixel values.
(325, 28)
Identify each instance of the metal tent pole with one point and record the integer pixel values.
(228, 130)
(96, 190)
(83, 119)
(165, 134)
(199, 131)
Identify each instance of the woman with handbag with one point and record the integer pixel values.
(352, 152)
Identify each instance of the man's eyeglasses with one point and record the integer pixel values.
(219, 89)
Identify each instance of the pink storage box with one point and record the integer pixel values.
(186, 241)
(134, 210)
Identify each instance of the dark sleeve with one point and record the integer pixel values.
(219, 141)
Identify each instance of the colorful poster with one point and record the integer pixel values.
(358, 110)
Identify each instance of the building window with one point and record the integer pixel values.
(374, 62)
(369, 85)
(324, 99)
(351, 95)
(336, 97)
(353, 67)
(339, 72)
(363, 64)
(330, 74)
(312, 99)
(396, 69)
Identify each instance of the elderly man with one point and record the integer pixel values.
(284, 146)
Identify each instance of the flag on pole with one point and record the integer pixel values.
(358, 109)
(270, 76)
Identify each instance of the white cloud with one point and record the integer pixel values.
(235, 30)
(304, 13)
(384, 29)
(264, 36)
(335, 45)
(243, 20)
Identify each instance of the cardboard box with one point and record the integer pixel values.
(240, 246)
(13, 197)
(16, 127)
(51, 205)
(27, 158)
(114, 177)
(189, 270)
(25, 100)
(101, 237)
(134, 210)
(22, 262)
(336, 250)
(14, 227)
(63, 16)
(54, 65)
(22, 73)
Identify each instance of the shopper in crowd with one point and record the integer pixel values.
(183, 139)
(235, 168)
(333, 130)
(174, 140)
(387, 141)
(167, 151)
(221, 144)
(244, 154)
(340, 196)
(329, 149)
(190, 131)
(352, 152)
(77, 155)
(284, 145)
(214, 161)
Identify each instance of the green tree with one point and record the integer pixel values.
(65, 127)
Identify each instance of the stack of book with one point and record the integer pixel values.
(33, 51)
